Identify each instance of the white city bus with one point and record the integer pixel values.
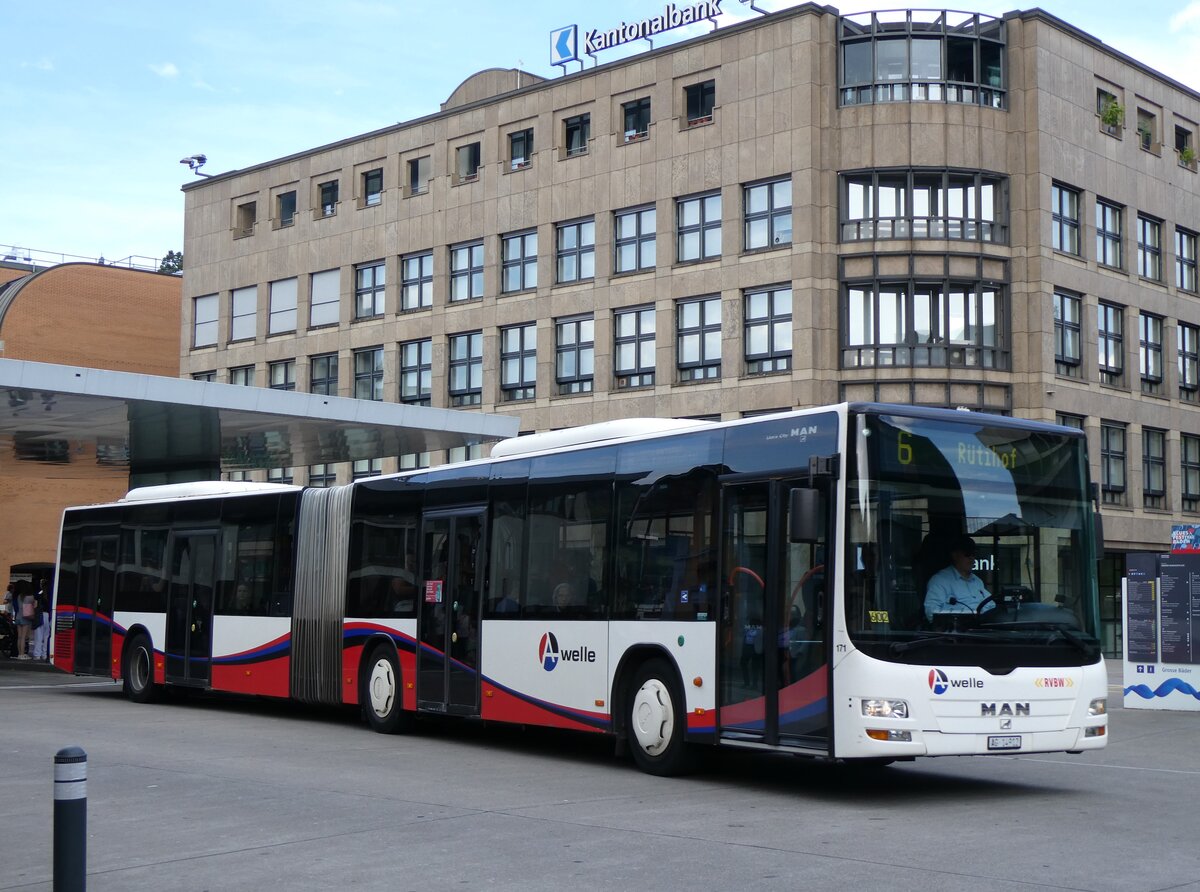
(757, 583)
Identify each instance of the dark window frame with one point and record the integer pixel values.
(368, 373)
(468, 367)
(777, 357)
(1113, 436)
(699, 102)
(704, 367)
(635, 118)
(467, 279)
(1110, 328)
(1154, 467)
(416, 372)
(701, 229)
(1068, 333)
(1109, 241)
(516, 260)
(773, 214)
(575, 358)
(416, 281)
(518, 367)
(370, 289)
(639, 373)
(323, 374)
(575, 251)
(577, 134)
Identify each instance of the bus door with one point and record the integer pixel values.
(774, 629)
(193, 573)
(94, 605)
(448, 625)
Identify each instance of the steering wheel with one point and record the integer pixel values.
(990, 599)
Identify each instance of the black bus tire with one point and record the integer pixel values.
(657, 721)
(380, 692)
(137, 674)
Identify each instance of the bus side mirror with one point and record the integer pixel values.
(804, 516)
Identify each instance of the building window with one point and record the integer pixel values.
(1154, 468)
(1149, 235)
(329, 198)
(285, 208)
(575, 353)
(1189, 468)
(1185, 149)
(577, 131)
(321, 476)
(1110, 112)
(1188, 343)
(280, 475)
(1147, 127)
(466, 162)
(368, 290)
(323, 374)
(416, 372)
(634, 361)
(416, 281)
(324, 307)
(1112, 462)
(575, 252)
(372, 185)
(768, 208)
(411, 461)
(247, 216)
(470, 452)
(1064, 228)
(466, 272)
(204, 376)
(699, 101)
(282, 375)
(367, 467)
(242, 376)
(1150, 352)
(283, 307)
(1108, 234)
(466, 369)
(204, 320)
(368, 374)
(1111, 343)
(518, 362)
(1068, 420)
(520, 148)
(418, 175)
(243, 325)
(518, 262)
(238, 476)
(918, 58)
(698, 338)
(768, 330)
(1068, 355)
(636, 115)
(921, 203)
(925, 324)
(634, 233)
(1185, 260)
(698, 227)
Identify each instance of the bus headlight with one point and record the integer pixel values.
(885, 709)
(1099, 706)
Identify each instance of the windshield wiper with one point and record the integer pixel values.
(1074, 638)
(899, 647)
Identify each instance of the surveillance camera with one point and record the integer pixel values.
(200, 159)
(185, 160)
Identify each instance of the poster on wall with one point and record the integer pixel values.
(1161, 614)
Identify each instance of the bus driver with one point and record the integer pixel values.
(956, 589)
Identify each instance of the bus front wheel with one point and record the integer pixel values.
(138, 671)
(380, 696)
(657, 721)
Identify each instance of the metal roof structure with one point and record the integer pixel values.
(152, 427)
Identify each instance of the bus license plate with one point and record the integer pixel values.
(1011, 742)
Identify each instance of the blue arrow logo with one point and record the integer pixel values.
(563, 43)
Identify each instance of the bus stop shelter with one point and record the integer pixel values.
(160, 430)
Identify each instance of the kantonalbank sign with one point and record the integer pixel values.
(564, 42)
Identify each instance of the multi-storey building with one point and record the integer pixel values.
(929, 207)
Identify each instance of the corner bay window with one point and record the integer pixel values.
(921, 55)
(925, 324)
(919, 204)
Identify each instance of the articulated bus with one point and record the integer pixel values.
(757, 583)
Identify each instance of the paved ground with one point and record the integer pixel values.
(217, 794)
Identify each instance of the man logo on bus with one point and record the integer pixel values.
(938, 683)
(548, 651)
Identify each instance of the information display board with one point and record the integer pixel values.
(1161, 616)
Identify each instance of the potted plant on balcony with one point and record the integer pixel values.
(1187, 157)
(1112, 117)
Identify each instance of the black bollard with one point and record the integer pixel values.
(70, 820)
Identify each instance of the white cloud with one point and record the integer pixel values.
(1190, 15)
(167, 69)
(42, 64)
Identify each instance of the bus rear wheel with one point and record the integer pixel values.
(380, 693)
(138, 671)
(657, 722)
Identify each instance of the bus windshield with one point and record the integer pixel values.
(922, 493)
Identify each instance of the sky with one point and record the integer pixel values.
(99, 101)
